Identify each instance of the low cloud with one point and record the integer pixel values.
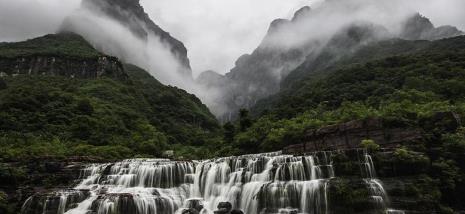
(217, 32)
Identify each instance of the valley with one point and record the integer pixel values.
(357, 118)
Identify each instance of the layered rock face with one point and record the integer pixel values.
(132, 15)
(387, 134)
(62, 66)
(60, 54)
(41, 177)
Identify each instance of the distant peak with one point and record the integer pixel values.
(419, 27)
(301, 13)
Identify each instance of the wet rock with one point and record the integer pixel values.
(237, 212)
(195, 204)
(224, 208)
(190, 211)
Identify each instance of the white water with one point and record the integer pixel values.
(262, 183)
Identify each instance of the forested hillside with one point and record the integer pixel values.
(48, 112)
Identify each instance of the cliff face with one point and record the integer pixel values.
(62, 54)
(62, 66)
(40, 178)
(132, 15)
(387, 134)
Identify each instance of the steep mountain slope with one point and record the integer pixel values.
(407, 85)
(306, 92)
(57, 99)
(131, 14)
(289, 51)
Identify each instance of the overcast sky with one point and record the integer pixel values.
(216, 32)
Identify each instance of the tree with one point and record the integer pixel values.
(370, 145)
(229, 132)
(85, 107)
(244, 120)
(3, 84)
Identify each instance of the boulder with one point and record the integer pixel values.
(195, 204)
(190, 211)
(224, 208)
(237, 212)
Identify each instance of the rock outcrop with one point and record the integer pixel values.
(386, 134)
(419, 27)
(63, 54)
(42, 177)
(62, 66)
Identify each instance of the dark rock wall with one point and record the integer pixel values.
(349, 135)
(40, 177)
(384, 133)
(63, 66)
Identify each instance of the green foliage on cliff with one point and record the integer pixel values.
(402, 86)
(59, 45)
(405, 89)
(59, 116)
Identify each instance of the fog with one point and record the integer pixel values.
(215, 32)
(115, 39)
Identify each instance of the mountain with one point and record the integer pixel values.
(65, 55)
(418, 27)
(139, 40)
(130, 13)
(61, 97)
(258, 75)
(288, 53)
(306, 93)
(414, 88)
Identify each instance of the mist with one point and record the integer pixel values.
(113, 38)
(216, 32)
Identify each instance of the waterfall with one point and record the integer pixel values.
(261, 183)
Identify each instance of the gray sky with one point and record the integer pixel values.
(24, 19)
(217, 32)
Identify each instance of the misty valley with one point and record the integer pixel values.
(345, 106)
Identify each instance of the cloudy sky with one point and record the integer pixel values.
(216, 32)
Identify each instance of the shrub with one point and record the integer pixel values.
(369, 145)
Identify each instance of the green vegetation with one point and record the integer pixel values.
(60, 45)
(404, 87)
(58, 116)
(369, 145)
(109, 118)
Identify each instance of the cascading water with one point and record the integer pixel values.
(262, 183)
